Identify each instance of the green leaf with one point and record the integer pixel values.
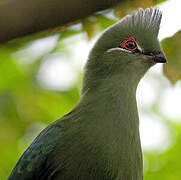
(161, 1)
(91, 26)
(171, 47)
(104, 22)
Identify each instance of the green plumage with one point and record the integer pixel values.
(99, 139)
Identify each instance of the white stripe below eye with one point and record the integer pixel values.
(113, 49)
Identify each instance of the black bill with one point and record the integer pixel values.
(160, 58)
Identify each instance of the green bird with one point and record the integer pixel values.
(99, 139)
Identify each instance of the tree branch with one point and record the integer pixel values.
(23, 17)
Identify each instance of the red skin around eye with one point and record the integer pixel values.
(123, 43)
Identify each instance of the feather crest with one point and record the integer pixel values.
(144, 20)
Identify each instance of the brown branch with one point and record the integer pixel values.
(23, 17)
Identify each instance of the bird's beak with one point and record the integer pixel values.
(159, 58)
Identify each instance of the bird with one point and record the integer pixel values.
(99, 138)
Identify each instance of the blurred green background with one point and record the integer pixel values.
(40, 81)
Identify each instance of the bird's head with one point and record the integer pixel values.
(126, 50)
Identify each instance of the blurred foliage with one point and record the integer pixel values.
(26, 106)
(171, 47)
(24, 103)
(166, 165)
(130, 5)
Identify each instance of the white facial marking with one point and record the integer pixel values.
(139, 48)
(118, 48)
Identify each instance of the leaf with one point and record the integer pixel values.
(91, 26)
(126, 7)
(171, 47)
(104, 21)
(161, 1)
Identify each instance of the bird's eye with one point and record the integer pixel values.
(129, 44)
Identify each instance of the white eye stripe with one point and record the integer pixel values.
(113, 49)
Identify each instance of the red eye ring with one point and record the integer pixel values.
(129, 44)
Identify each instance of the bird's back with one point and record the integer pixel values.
(33, 163)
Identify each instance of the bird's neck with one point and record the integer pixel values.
(114, 101)
(112, 124)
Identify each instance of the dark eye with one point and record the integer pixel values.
(129, 44)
